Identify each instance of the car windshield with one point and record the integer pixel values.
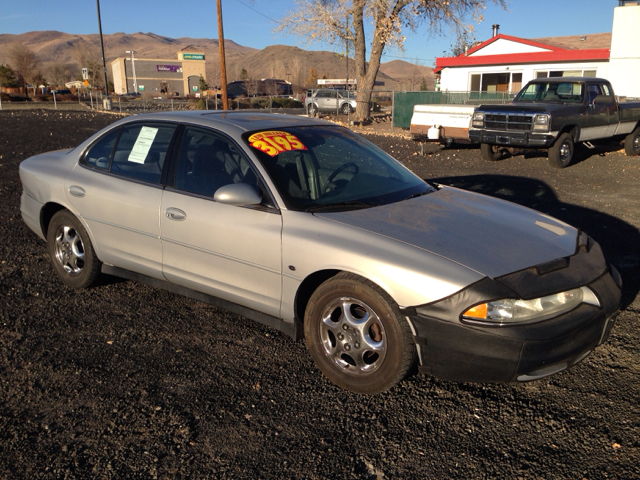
(331, 168)
(552, 92)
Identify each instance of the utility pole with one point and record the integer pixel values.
(223, 68)
(107, 102)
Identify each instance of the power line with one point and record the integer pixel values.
(258, 12)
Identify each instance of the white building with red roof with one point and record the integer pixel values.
(505, 63)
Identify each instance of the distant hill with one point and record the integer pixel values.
(58, 49)
(409, 74)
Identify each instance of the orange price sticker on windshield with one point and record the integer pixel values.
(274, 142)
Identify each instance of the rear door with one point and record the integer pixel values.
(117, 189)
(227, 251)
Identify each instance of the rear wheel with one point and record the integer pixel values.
(71, 252)
(357, 336)
(346, 109)
(632, 143)
(491, 152)
(313, 109)
(561, 153)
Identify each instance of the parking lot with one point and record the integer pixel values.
(126, 381)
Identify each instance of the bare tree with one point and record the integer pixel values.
(344, 21)
(60, 74)
(312, 78)
(297, 71)
(89, 57)
(25, 63)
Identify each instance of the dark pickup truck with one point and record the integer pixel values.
(555, 114)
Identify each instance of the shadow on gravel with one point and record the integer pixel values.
(619, 240)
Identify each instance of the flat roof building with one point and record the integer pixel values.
(158, 76)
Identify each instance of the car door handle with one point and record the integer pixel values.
(175, 214)
(77, 191)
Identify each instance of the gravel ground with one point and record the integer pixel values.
(126, 381)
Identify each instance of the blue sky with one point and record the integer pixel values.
(249, 23)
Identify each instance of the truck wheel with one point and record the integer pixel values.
(491, 152)
(561, 154)
(632, 143)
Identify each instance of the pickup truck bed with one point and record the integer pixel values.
(451, 121)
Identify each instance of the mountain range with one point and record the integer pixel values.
(61, 54)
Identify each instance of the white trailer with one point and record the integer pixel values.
(441, 123)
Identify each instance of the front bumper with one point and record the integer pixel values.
(514, 139)
(454, 350)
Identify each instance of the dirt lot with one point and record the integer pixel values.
(125, 381)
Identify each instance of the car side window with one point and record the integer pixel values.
(99, 155)
(208, 161)
(142, 150)
(605, 89)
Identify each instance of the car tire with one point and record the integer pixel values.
(369, 349)
(561, 153)
(491, 153)
(346, 109)
(632, 143)
(313, 109)
(71, 251)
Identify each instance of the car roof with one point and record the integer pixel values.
(231, 122)
(568, 79)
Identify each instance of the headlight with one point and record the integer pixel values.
(509, 311)
(541, 123)
(478, 119)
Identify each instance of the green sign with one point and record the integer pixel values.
(141, 87)
(193, 56)
(194, 88)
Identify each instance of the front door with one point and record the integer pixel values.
(227, 251)
(597, 115)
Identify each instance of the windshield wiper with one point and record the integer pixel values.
(341, 206)
(419, 194)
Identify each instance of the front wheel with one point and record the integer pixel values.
(561, 153)
(632, 143)
(357, 336)
(491, 153)
(71, 252)
(313, 109)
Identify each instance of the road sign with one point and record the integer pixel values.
(85, 74)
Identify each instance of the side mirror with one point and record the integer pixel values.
(603, 99)
(238, 194)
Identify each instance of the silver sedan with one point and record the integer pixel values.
(307, 227)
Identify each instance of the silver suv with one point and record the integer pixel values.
(327, 100)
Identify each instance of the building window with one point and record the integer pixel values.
(565, 73)
(496, 82)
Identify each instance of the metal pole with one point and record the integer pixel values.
(55, 104)
(104, 65)
(223, 68)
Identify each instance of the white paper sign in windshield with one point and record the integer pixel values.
(143, 144)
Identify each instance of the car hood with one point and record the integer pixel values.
(530, 107)
(491, 236)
